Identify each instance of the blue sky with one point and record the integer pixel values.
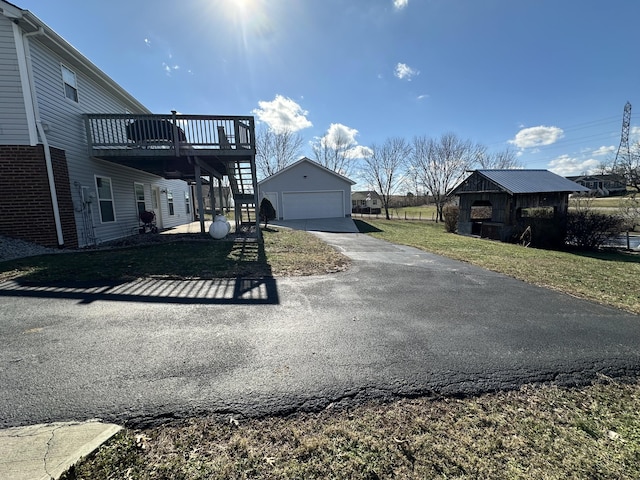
(548, 78)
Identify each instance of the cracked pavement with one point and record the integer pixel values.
(400, 322)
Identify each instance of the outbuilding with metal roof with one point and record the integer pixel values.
(497, 203)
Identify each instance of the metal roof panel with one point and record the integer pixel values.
(531, 181)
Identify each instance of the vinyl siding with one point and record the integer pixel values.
(65, 130)
(13, 117)
(306, 177)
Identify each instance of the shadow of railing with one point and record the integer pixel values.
(218, 291)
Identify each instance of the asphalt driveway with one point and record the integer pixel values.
(399, 322)
(335, 225)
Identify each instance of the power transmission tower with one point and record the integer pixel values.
(624, 137)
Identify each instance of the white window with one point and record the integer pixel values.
(170, 203)
(140, 202)
(187, 203)
(70, 84)
(105, 199)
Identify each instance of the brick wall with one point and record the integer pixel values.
(26, 211)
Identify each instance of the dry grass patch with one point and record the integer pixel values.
(282, 253)
(542, 432)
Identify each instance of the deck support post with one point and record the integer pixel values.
(196, 168)
(221, 197)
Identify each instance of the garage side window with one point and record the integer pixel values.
(105, 199)
(70, 84)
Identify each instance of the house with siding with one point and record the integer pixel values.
(80, 157)
(606, 185)
(366, 201)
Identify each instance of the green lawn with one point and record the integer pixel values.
(609, 278)
(603, 202)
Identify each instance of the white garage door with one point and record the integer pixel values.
(299, 205)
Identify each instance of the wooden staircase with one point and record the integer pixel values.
(244, 185)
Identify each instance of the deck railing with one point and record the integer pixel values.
(174, 132)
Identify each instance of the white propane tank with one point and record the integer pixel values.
(219, 227)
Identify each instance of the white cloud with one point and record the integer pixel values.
(400, 4)
(405, 72)
(282, 114)
(340, 136)
(537, 136)
(422, 97)
(359, 151)
(168, 69)
(565, 166)
(602, 151)
(147, 42)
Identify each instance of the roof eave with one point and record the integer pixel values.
(29, 22)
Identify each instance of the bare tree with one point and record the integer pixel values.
(506, 159)
(334, 151)
(383, 168)
(441, 164)
(276, 150)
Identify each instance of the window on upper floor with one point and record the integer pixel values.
(70, 84)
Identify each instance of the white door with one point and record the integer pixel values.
(300, 205)
(155, 205)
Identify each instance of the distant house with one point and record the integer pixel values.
(602, 185)
(493, 203)
(81, 158)
(306, 189)
(367, 201)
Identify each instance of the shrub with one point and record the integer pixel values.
(591, 230)
(267, 212)
(451, 214)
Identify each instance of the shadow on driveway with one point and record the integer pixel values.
(218, 291)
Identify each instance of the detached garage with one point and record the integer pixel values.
(306, 189)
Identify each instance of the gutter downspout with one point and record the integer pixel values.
(24, 47)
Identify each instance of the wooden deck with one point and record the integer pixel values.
(185, 147)
(170, 145)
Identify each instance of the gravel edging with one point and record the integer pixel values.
(12, 248)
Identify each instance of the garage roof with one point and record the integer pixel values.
(308, 160)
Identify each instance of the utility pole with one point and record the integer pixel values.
(624, 137)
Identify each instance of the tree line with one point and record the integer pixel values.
(432, 165)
